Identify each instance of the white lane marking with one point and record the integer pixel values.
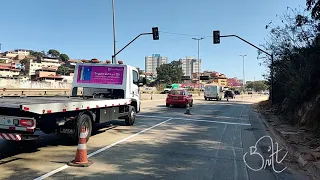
(52, 172)
(245, 167)
(101, 150)
(234, 155)
(162, 117)
(219, 122)
(107, 147)
(199, 120)
(244, 107)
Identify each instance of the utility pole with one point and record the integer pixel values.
(244, 81)
(0, 47)
(198, 39)
(114, 61)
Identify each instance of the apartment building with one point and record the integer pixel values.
(7, 70)
(154, 61)
(44, 62)
(49, 62)
(190, 65)
(18, 54)
(221, 79)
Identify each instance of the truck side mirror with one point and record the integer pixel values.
(142, 82)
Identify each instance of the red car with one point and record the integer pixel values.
(179, 97)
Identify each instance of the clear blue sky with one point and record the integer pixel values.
(83, 29)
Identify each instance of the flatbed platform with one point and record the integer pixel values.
(16, 102)
(43, 105)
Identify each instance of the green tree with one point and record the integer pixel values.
(257, 85)
(163, 72)
(293, 44)
(170, 73)
(63, 70)
(54, 53)
(37, 54)
(64, 57)
(24, 61)
(314, 7)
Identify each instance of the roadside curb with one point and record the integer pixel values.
(312, 167)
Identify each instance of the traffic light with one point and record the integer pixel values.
(155, 33)
(204, 78)
(216, 37)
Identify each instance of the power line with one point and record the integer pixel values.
(182, 34)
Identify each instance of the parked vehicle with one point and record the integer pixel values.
(236, 92)
(179, 97)
(229, 94)
(110, 91)
(213, 92)
(169, 87)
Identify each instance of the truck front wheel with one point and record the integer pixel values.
(129, 120)
(82, 120)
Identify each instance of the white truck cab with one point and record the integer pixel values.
(109, 81)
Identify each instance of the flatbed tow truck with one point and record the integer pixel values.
(110, 91)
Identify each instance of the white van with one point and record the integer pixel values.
(213, 92)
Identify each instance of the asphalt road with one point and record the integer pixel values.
(164, 143)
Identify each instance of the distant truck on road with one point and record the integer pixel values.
(110, 91)
(213, 92)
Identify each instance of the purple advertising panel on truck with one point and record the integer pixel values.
(100, 74)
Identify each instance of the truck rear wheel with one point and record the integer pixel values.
(82, 120)
(129, 120)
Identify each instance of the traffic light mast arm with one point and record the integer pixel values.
(248, 43)
(271, 55)
(130, 43)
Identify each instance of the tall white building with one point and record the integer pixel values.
(190, 65)
(154, 61)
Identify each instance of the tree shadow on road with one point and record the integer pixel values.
(184, 151)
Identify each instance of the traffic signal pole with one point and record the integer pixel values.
(271, 55)
(130, 43)
(154, 32)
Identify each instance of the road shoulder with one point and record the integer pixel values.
(302, 146)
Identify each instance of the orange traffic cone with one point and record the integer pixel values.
(81, 159)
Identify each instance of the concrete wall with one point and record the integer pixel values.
(13, 83)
